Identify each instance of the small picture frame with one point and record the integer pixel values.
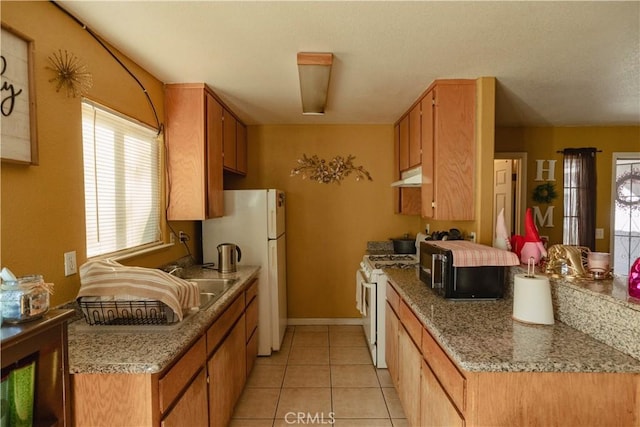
(19, 142)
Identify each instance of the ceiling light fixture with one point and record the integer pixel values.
(314, 70)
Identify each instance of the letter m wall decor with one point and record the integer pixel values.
(19, 143)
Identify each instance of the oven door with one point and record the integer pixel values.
(368, 307)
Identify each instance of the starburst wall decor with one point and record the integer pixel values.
(326, 172)
(70, 74)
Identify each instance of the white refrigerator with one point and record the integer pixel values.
(254, 220)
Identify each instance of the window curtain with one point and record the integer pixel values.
(580, 197)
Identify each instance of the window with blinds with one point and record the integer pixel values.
(121, 181)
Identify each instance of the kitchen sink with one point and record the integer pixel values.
(211, 289)
(214, 285)
(206, 299)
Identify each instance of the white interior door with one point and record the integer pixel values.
(502, 193)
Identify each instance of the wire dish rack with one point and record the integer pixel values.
(127, 313)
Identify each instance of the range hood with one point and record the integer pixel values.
(410, 178)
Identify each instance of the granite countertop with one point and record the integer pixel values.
(482, 336)
(147, 349)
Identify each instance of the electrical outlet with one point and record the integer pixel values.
(184, 237)
(70, 266)
(472, 236)
(599, 233)
(427, 229)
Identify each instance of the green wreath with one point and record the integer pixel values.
(544, 193)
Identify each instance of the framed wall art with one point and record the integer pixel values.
(19, 143)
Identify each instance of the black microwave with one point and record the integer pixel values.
(438, 272)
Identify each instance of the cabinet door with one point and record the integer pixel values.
(436, 409)
(191, 408)
(391, 343)
(185, 135)
(427, 155)
(215, 195)
(409, 365)
(403, 160)
(229, 140)
(227, 375)
(454, 151)
(415, 131)
(241, 148)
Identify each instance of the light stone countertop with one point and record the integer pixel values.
(147, 349)
(482, 336)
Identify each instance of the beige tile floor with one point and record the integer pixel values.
(322, 375)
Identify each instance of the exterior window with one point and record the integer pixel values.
(121, 182)
(626, 211)
(579, 197)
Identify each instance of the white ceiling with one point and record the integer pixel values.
(556, 63)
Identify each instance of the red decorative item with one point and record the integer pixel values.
(530, 245)
(634, 279)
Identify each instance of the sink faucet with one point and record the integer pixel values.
(174, 270)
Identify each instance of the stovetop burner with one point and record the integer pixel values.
(402, 265)
(392, 257)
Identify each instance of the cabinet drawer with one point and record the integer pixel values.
(446, 371)
(393, 298)
(411, 323)
(223, 324)
(251, 318)
(251, 291)
(181, 373)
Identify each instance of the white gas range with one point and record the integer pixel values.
(371, 285)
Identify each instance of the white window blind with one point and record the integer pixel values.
(121, 181)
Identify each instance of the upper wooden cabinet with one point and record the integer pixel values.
(229, 140)
(448, 164)
(403, 134)
(241, 148)
(438, 132)
(194, 152)
(203, 138)
(410, 144)
(415, 136)
(235, 144)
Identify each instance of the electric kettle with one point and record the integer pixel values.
(227, 257)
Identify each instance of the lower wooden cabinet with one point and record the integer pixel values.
(200, 388)
(435, 391)
(227, 375)
(251, 322)
(391, 342)
(409, 365)
(191, 409)
(435, 407)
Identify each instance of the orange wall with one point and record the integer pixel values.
(43, 206)
(544, 142)
(328, 225)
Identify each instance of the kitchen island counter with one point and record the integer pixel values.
(481, 336)
(147, 349)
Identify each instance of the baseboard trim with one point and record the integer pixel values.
(327, 321)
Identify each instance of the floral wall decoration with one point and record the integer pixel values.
(327, 172)
(70, 73)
